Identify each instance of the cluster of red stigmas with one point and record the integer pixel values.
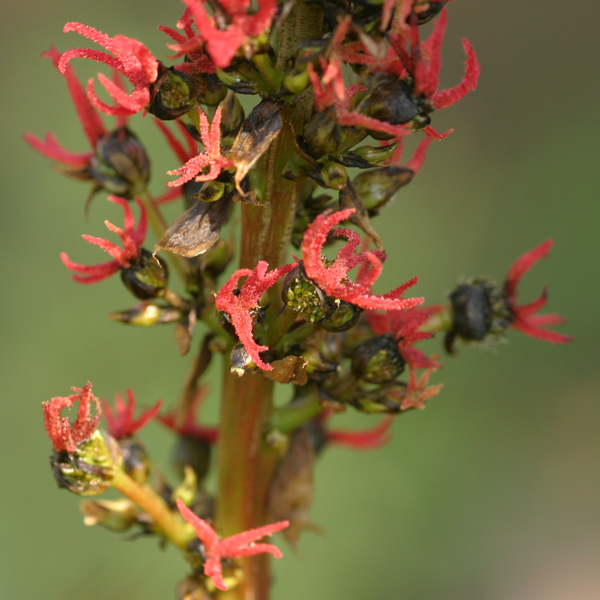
(348, 97)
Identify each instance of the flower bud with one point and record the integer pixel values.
(344, 316)
(334, 175)
(480, 311)
(136, 462)
(147, 277)
(367, 156)
(174, 94)
(322, 134)
(211, 191)
(247, 82)
(377, 187)
(191, 451)
(424, 11)
(88, 471)
(115, 515)
(192, 588)
(145, 314)
(378, 360)
(120, 164)
(394, 103)
(187, 489)
(241, 361)
(212, 92)
(318, 366)
(302, 295)
(232, 116)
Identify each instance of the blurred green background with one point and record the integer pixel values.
(493, 491)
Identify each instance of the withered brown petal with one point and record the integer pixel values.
(259, 129)
(288, 369)
(349, 198)
(197, 229)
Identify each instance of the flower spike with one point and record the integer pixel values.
(121, 423)
(524, 317)
(64, 436)
(132, 244)
(235, 546)
(332, 278)
(238, 304)
(211, 138)
(130, 57)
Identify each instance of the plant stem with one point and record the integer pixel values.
(173, 527)
(246, 463)
(288, 418)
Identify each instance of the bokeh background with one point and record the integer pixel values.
(493, 491)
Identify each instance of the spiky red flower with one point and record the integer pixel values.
(332, 277)
(123, 258)
(187, 426)
(330, 90)
(183, 152)
(238, 303)
(418, 392)
(196, 60)
(404, 325)
(222, 44)
(93, 128)
(64, 436)
(236, 546)
(121, 423)
(212, 157)
(423, 63)
(129, 56)
(525, 318)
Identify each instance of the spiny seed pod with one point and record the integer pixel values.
(377, 187)
(334, 175)
(344, 316)
(302, 295)
(424, 10)
(392, 102)
(378, 360)
(90, 469)
(322, 134)
(174, 94)
(120, 164)
(147, 277)
(480, 311)
(136, 462)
